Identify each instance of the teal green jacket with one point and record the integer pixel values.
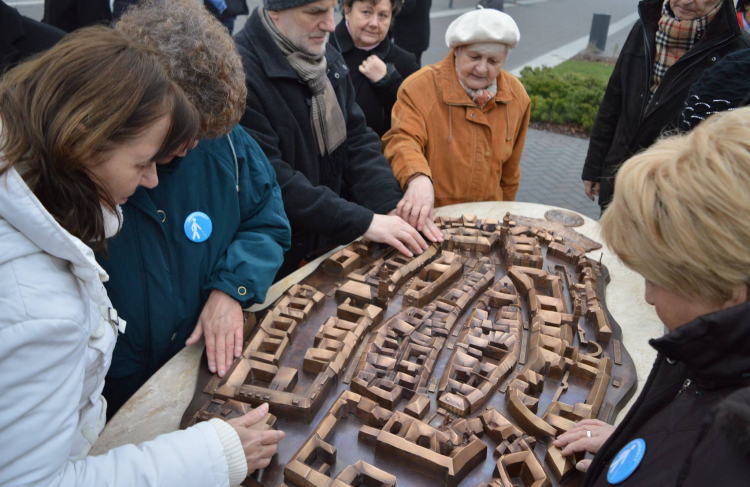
(159, 279)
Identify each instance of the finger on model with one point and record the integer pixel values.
(422, 245)
(255, 415)
(411, 242)
(211, 352)
(221, 359)
(396, 243)
(580, 445)
(424, 212)
(229, 357)
(238, 336)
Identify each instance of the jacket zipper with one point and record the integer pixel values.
(684, 387)
(688, 68)
(649, 66)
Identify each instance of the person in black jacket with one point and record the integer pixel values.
(70, 15)
(666, 52)
(21, 37)
(674, 220)
(335, 182)
(376, 65)
(411, 30)
(726, 86)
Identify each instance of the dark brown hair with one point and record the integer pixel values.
(64, 111)
(395, 5)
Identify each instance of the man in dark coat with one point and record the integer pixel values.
(631, 117)
(70, 15)
(21, 37)
(335, 182)
(411, 29)
(376, 99)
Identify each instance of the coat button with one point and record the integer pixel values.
(336, 75)
(242, 290)
(487, 154)
(472, 115)
(713, 59)
(163, 215)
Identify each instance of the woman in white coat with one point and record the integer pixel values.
(80, 129)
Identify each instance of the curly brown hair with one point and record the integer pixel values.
(199, 55)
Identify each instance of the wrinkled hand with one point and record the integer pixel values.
(416, 207)
(392, 230)
(221, 321)
(591, 188)
(259, 445)
(373, 68)
(576, 440)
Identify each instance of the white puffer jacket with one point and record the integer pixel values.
(56, 342)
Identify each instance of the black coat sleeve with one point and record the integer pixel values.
(368, 176)
(310, 208)
(607, 118)
(722, 453)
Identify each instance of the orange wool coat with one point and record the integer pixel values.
(470, 154)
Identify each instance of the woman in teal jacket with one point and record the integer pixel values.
(209, 239)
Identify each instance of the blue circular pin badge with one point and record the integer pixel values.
(626, 461)
(198, 227)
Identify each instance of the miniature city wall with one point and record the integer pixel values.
(455, 367)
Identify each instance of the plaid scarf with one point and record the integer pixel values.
(326, 118)
(674, 38)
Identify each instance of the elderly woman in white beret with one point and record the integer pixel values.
(459, 126)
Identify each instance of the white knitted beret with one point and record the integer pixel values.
(482, 25)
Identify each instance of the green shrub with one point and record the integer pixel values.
(563, 98)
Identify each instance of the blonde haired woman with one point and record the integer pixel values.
(679, 218)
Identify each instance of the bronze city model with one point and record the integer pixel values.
(455, 367)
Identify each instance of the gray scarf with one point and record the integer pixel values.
(326, 118)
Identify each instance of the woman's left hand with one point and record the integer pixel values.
(416, 207)
(374, 68)
(221, 321)
(586, 436)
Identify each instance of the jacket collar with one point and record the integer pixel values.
(453, 92)
(344, 42)
(715, 347)
(271, 58)
(255, 37)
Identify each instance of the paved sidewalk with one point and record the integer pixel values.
(551, 172)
